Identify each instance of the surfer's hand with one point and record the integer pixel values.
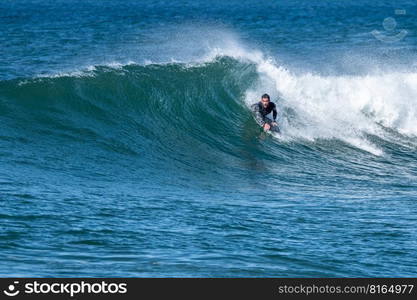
(274, 124)
(267, 127)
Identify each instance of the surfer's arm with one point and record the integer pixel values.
(258, 116)
(274, 113)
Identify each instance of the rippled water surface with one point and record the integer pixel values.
(128, 147)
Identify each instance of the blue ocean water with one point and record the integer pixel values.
(128, 148)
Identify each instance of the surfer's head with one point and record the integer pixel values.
(265, 100)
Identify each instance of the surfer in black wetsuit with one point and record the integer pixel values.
(263, 108)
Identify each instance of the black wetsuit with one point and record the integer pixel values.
(261, 112)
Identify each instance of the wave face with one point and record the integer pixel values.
(128, 147)
(129, 108)
(151, 113)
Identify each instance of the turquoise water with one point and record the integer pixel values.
(128, 147)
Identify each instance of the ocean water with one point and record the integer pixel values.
(128, 148)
